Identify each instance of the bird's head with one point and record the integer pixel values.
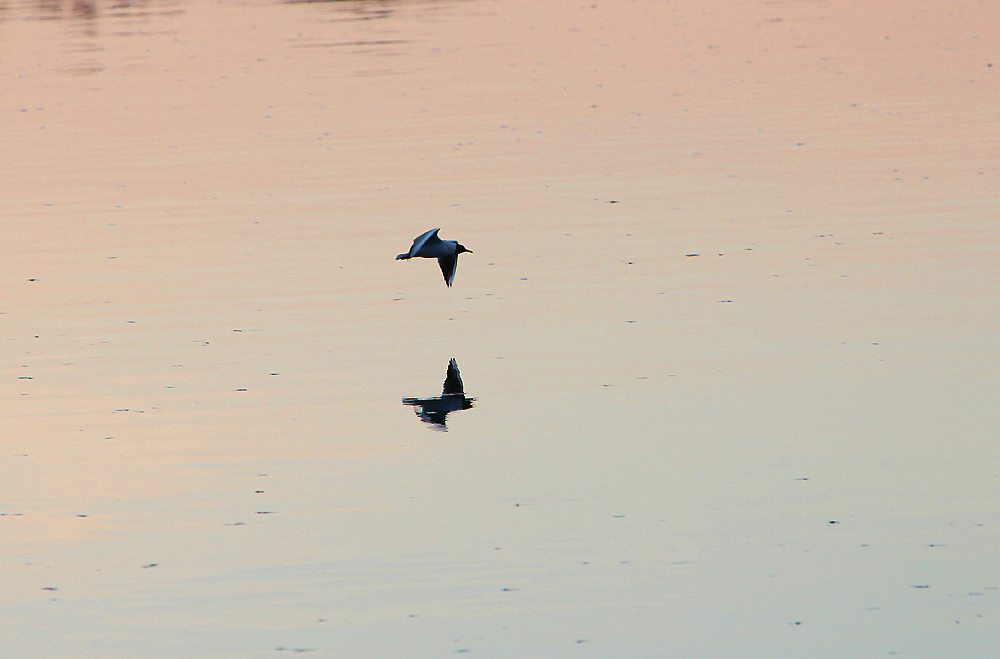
(459, 248)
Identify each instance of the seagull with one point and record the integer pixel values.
(429, 246)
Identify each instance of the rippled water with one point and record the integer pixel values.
(727, 337)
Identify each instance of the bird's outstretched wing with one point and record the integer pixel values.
(429, 238)
(449, 264)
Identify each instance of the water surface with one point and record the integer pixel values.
(730, 326)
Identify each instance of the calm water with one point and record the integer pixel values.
(728, 338)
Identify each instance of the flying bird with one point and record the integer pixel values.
(429, 246)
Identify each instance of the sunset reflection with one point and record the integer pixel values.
(732, 310)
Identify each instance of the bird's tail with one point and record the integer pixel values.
(402, 256)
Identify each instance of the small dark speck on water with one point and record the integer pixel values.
(49, 588)
(833, 521)
(690, 255)
(801, 479)
(921, 585)
(266, 512)
(81, 515)
(239, 389)
(149, 566)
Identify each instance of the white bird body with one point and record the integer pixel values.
(429, 246)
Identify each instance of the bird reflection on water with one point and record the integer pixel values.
(434, 411)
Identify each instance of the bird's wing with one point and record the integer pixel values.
(448, 266)
(429, 238)
(453, 382)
